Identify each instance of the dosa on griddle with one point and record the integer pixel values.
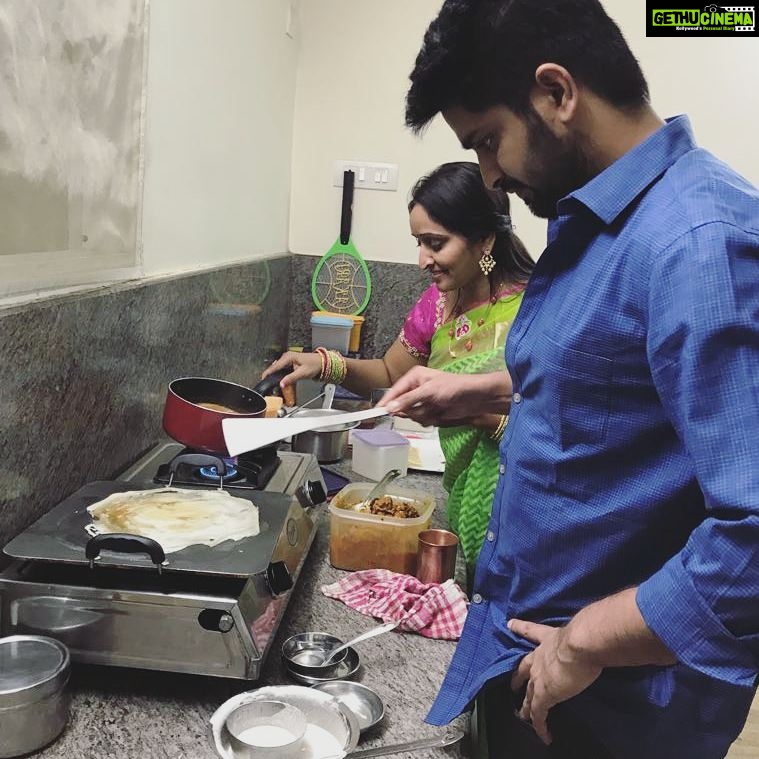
(177, 518)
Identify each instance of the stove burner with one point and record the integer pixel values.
(211, 472)
(248, 471)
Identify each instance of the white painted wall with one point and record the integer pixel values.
(352, 78)
(221, 91)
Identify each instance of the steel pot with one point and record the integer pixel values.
(328, 443)
(34, 705)
(199, 427)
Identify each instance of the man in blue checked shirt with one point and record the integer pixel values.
(616, 598)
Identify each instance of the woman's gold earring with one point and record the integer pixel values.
(487, 263)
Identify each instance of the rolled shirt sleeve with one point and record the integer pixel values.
(703, 348)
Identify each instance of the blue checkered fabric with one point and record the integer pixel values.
(631, 457)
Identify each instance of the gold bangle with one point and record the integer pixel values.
(326, 364)
(497, 433)
(339, 367)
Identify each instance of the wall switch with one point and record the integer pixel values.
(369, 175)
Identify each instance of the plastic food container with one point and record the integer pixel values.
(355, 337)
(361, 540)
(331, 332)
(377, 451)
(34, 705)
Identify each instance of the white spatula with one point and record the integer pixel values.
(242, 435)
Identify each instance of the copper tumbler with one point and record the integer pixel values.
(436, 556)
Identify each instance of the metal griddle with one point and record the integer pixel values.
(60, 536)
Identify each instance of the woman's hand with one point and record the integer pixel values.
(304, 366)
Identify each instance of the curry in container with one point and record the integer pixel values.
(383, 535)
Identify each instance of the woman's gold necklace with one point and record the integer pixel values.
(462, 326)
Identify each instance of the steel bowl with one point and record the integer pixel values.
(266, 729)
(34, 702)
(360, 699)
(304, 653)
(341, 671)
(328, 443)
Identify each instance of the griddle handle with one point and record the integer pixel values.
(123, 542)
(198, 459)
(278, 577)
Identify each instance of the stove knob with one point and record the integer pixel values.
(311, 493)
(216, 620)
(278, 577)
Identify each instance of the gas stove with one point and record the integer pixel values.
(203, 610)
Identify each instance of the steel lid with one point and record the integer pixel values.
(31, 667)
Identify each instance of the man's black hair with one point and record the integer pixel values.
(481, 53)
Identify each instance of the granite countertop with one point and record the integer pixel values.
(138, 714)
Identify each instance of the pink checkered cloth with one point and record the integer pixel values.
(436, 610)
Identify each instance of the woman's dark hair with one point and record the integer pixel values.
(481, 53)
(454, 196)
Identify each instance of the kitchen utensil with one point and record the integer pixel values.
(436, 556)
(34, 705)
(241, 435)
(376, 491)
(266, 730)
(199, 427)
(435, 741)
(329, 722)
(341, 282)
(304, 652)
(344, 669)
(283, 414)
(329, 395)
(327, 444)
(373, 633)
(364, 702)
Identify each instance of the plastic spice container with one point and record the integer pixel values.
(34, 705)
(377, 451)
(361, 540)
(331, 332)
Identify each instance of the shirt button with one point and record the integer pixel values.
(476, 598)
(490, 536)
(502, 468)
(517, 398)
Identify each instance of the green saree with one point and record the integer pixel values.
(473, 343)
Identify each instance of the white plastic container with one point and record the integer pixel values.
(377, 451)
(331, 332)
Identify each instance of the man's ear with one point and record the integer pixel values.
(555, 95)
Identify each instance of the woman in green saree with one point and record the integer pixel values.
(479, 269)
(479, 275)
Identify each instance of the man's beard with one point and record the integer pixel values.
(557, 170)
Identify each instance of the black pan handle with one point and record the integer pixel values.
(198, 459)
(124, 543)
(270, 385)
(346, 215)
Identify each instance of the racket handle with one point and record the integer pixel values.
(346, 215)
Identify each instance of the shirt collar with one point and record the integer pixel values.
(611, 191)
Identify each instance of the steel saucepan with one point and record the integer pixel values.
(195, 406)
(327, 443)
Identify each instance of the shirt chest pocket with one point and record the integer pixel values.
(572, 396)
